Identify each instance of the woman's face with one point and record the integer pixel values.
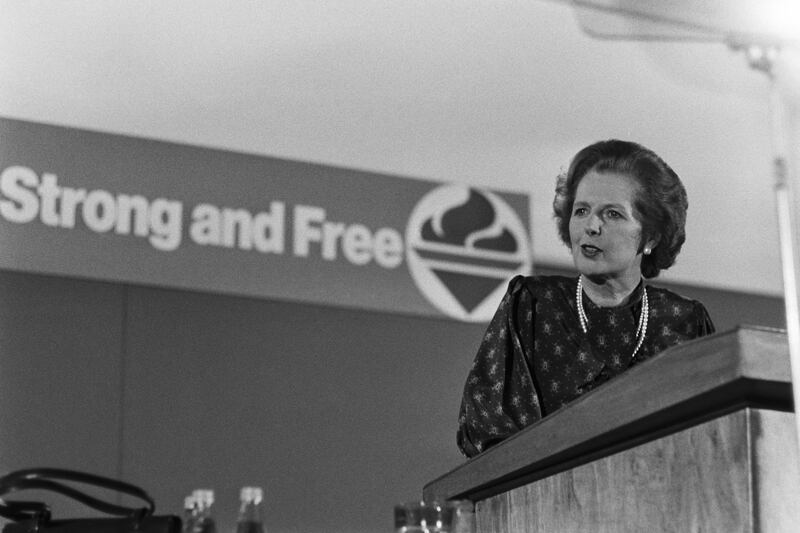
(603, 231)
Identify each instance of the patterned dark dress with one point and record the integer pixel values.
(534, 358)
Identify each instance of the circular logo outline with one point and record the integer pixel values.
(433, 265)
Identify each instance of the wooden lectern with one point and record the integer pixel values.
(700, 438)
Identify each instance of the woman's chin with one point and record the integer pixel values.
(589, 268)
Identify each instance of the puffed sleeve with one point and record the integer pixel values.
(500, 397)
(704, 324)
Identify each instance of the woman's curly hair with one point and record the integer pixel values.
(660, 203)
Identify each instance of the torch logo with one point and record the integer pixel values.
(463, 246)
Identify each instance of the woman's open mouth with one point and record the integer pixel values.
(589, 250)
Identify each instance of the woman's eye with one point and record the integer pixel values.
(579, 211)
(613, 213)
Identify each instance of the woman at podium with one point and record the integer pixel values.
(621, 210)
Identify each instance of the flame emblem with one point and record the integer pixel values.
(463, 245)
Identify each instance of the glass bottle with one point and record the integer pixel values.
(189, 513)
(204, 517)
(250, 519)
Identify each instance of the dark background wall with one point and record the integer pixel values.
(337, 413)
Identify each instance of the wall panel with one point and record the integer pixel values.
(60, 373)
(337, 413)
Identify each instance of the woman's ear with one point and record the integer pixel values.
(647, 249)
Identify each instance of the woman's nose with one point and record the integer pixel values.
(593, 225)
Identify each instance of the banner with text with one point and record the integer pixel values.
(118, 208)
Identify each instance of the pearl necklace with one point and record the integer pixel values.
(641, 329)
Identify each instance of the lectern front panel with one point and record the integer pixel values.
(735, 473)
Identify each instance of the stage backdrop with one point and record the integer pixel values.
(117, 208)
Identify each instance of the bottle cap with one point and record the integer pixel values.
(252, 494)
(188, 502)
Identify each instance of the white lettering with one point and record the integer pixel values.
(24, 197)
(239, 228)
(268, 229)
(331, 231)
(99, 211)
(70, 200)
(357, 244)
(166, 221)
(132, 211)
(22, 205)
(205, 229)
(237, 222)
(49, 193)
(388, 248)
(304, 231)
